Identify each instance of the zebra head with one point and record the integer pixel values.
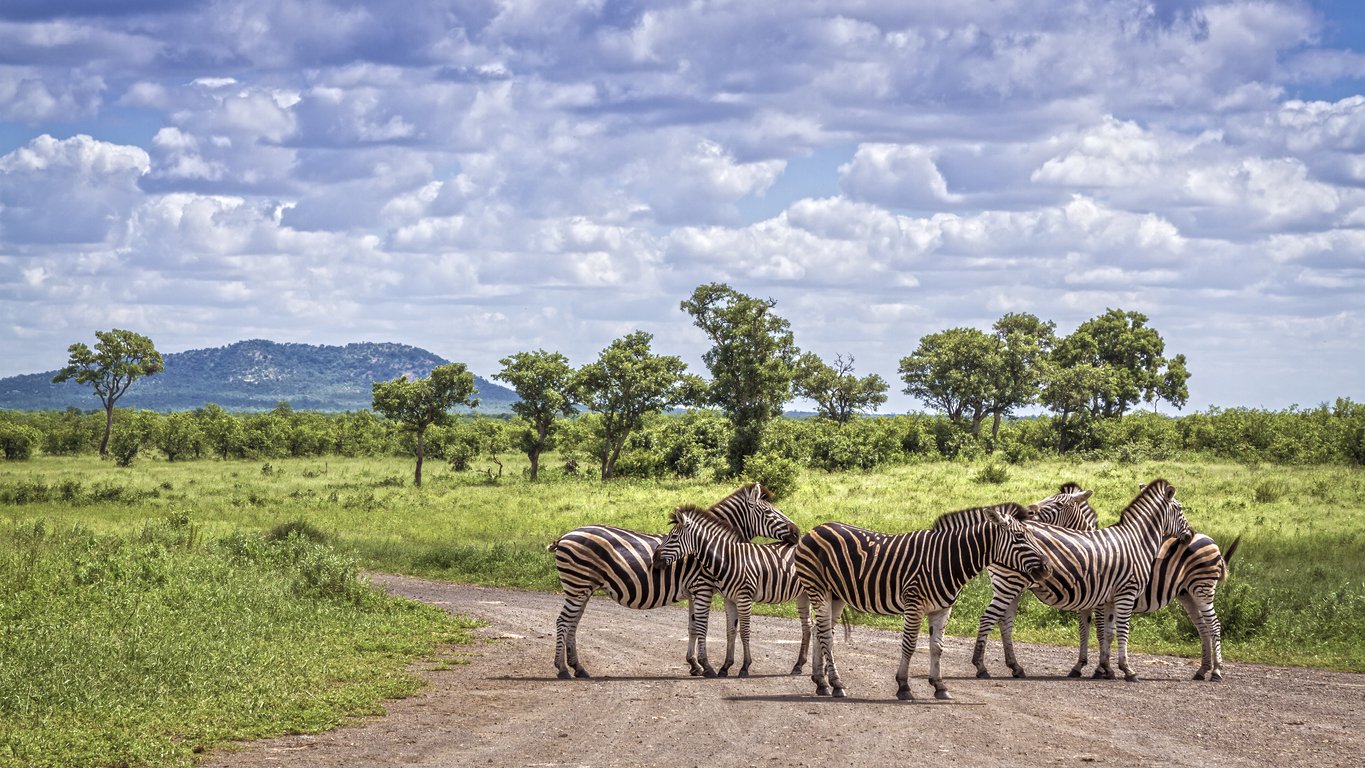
(750, 510)
(1067, 509)
(1157, 500)
(681, 542)
(1014, 547)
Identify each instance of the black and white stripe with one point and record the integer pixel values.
(1102, 569)
(914, 575)
(619, 561)
(744, 572)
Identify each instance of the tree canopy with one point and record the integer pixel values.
(544, 383)
(838, 393)
(626, 383)
(416, 404)
(752, 360)
(119, 358)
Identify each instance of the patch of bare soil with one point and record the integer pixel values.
(506, 707)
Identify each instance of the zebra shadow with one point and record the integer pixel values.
(806, 698)
(605, 679)
(1006, 678)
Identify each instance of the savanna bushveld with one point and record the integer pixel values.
(200, 581)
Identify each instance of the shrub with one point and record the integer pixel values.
(17, 441)
(779, 475)
(992, 474)
(300, 528)
(1270, 491)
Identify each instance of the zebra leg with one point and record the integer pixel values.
(1003, 595)
(1123, 611)
(1105, 634)
(566, 635)
(745, 605)
(803, 608)
(731, 621)
(1200, 610)
(824, 634)
(700, 612)
(836, 612)
(1007, 636)
(937, 621)
(914, 616)
(1083, 618)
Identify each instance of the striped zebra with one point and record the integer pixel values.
(915, 575)
(1101, 569)
(619, 561)
(1191, 574)
(744, 572)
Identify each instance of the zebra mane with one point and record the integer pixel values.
(1070, 487)
(1149, 495)
(682, 511)
(977, 515)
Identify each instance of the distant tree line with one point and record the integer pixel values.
(608, 413)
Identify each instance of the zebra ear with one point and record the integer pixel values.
(1084, 495)
(993, 514)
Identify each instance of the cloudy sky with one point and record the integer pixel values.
(481, 178)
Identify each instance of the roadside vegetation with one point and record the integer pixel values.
(142, 639)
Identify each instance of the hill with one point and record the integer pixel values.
(254, 376)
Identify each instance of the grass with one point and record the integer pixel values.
(1296, 596)
(146, 644)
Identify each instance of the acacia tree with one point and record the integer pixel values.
(953, 371)
(1128, 356)
(626, 383)
(752, 362)
(416, 404)
(120, 357)
(837, 392)
(543, 382)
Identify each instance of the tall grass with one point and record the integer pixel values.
(147, 646)
(1297, 592)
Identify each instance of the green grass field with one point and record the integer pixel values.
(1296, 596)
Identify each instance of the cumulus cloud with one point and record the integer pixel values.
(562, 173)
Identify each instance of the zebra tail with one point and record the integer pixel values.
(552, 546)
(1227, 556)
(846, 618)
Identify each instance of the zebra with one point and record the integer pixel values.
(915, 574)
(744, 572)
(619, 561)
(1190, 574)
(1105, 568)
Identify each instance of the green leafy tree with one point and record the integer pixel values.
(954, 371)
(416, 404)
(543, 382)
(1019, 365)
(1128, 356)
(222, 432)
(626, 383)
(178, 435)
(752, 362)
(837, 392)
(119, 358)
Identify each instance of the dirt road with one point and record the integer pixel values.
(507, 708)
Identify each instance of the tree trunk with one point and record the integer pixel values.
(995, 427)
(535, 463)
(108, 427)
(421, 448)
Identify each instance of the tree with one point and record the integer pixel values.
(120, 357)
(752, 362)
(953, 371)
(626, 383)
(416, 404)
(1127, 354)
(543, 382)
(837, 392)
(221, 430)
(1023, 344)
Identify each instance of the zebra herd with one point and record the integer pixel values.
(1053, 547)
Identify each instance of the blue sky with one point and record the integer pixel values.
(482, 178)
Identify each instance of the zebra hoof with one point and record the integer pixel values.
(564, 674)
(943, 695)
(1019, 672)
(1215, 678)
(1130, 677)
(709, 673)
(1074, 673)
(723, 672)
(1199, 675)
(904, 694)
(743, 673)
(581, 673)
(796, 670)
(983, 674)
(822, 690)
(840, 693)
